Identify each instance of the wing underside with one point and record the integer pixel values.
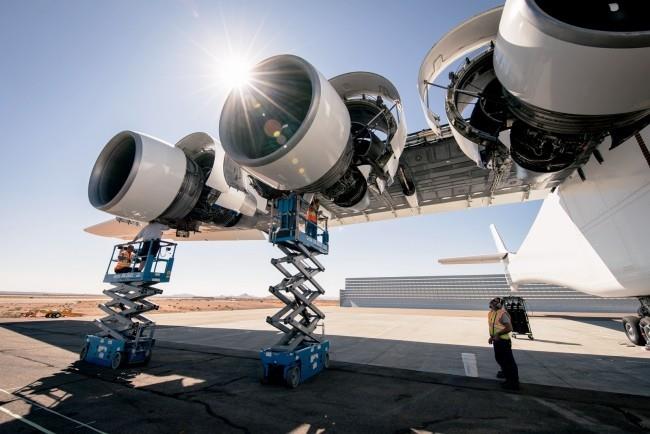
(445, 179)
(126, 229)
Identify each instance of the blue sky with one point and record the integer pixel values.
(75, 73)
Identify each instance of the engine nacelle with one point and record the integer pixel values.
(556, 80)
(143, 178)
(289, 127)
(576, 57)
(296, 131)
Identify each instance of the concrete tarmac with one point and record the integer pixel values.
(195, 385)
(578, 351)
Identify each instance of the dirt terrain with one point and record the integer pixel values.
(16, 306)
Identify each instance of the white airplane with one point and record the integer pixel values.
(552, 102)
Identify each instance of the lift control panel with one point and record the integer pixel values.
(295, 220)
(143, 261)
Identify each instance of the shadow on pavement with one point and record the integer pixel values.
(609, 323)
(199, 388)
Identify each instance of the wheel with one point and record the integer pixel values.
(293, 377)
(632, 330)
(147, 358)
(84, 352)
(326, 360)
(644, 326)
(264, 379)
(118, 360)
(56, 315)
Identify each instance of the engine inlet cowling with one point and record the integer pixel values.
(140, 177)
(288, 127)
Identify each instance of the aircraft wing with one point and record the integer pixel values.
(445, 180)
(126, 229)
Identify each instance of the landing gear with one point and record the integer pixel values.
(632, 330)
(644, 326)
(637, 328)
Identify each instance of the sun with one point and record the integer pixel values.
(235, 72)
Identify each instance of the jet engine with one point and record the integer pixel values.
(545, 82)
(139, 177)
(296, 131)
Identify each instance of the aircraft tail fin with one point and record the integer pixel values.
(501, 247)
(502, 256)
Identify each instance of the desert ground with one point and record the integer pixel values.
(36, 305)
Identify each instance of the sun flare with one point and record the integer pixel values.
(235, 72)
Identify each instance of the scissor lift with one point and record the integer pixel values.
(126, 336)
(300, 353)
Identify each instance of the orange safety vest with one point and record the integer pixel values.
(123, 260)
(494, 323)
(312, 214)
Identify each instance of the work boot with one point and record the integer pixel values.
(510, 385)
(500, 374)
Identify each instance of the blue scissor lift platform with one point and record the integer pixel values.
(126, 336)
(300, 353)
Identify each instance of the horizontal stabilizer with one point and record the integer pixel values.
(127, 229)
(494, 258)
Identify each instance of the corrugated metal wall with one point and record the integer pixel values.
(470, 292)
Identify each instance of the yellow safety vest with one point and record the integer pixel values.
(494, 323)
(123, 260)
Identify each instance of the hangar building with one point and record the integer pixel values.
(470, 292)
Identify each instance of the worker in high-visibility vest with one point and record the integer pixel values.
(500, 326)
(150, 235)
(124, 260)
(312, 219)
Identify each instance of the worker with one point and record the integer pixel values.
(124, 259)
(150, 235)
(312, 218)
(500, 326)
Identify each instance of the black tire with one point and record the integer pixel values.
(632, 330)
(147, 358)
(326, 360)
(56, 315)
(293, 377)
(264, 379)
(644, 326)
(84, 352)
(118, 360)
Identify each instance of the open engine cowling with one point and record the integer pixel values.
(296, 131)
(289, 127)
(576, 57)
(547, 82)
